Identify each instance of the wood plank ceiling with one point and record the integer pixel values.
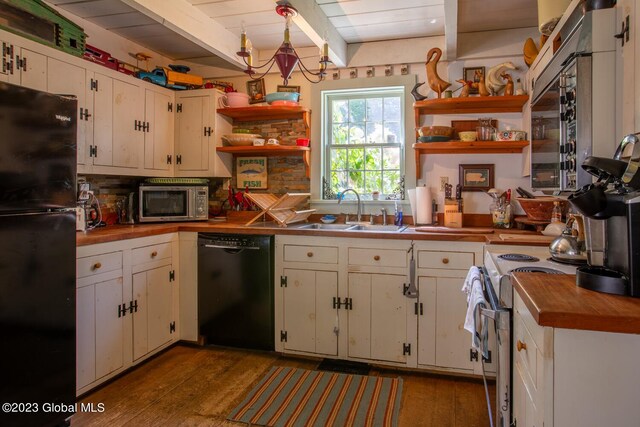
(155, 25)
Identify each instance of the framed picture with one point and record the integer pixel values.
(469, 74)
(476, 177)
(256, 91)
(288, 88)
(251, 172)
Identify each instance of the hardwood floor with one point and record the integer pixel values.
(199, 386)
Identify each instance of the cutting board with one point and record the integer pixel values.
(527, 238)
(449, 230)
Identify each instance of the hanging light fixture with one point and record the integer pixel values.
(286, 58)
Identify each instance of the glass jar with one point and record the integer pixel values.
(501, 215)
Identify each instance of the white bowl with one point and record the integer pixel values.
(240, 139)
(328, 220)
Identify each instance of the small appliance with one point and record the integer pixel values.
(174, 199)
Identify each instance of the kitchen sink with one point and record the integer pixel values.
(378, 228)
(320, 226)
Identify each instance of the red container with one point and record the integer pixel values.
(302, 142)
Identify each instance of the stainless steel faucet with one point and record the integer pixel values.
(383, 211)
(359, 211)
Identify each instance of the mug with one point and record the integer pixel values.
(234, 100)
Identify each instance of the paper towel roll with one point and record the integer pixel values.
(423, 205)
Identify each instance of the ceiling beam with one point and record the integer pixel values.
(315, 24)
(451, 30)
(183, 18)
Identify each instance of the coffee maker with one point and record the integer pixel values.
(611, 208)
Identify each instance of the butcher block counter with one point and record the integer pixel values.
(556, 301)
(112, 233)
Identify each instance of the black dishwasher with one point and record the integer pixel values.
(235, 290)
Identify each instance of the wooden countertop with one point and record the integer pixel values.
(121, 232)
(556, 301)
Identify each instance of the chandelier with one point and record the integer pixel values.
(286, 58)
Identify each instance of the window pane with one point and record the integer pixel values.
(356, 133)
(340, 133)
(338, 159)
(374, 109)
(392, 133)
(392, 109)
(390, 181)
(356, 181)
(373, 181)
(356, 158)
(391, 158)
(339, 109)
(374, 133)
(356, 110)
(374, 158)
(338, 181)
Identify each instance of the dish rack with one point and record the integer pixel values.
(281, 209)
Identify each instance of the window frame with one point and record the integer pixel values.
(326, 120)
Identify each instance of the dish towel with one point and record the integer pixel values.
(475, 301)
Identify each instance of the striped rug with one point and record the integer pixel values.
(299, 397)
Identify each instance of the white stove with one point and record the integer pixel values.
(500, 261)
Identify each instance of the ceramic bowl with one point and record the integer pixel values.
(511, 135)
(302, 142)
(434, 139)
(258, 142)
(468, 136)
(282, 96)
(240, 139)
(328, 219)
(234, 100)
(436, 131)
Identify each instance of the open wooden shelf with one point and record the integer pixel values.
(269, 112)
(471, 105)
(462, 147)
(272, 150)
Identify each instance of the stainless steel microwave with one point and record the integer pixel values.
(160, 203)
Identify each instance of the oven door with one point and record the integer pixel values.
(545, 139)
(158, 203)
(501, 318)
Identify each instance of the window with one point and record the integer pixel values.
(363, 136)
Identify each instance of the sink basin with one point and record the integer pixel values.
(319, 226)
(378, 228)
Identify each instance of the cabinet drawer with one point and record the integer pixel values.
(448, 260)
(527, 354)
(314, 254)
(378, 257)
(150, 253)
(97, 264)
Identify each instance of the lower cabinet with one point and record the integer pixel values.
(348, 298)
(126, 305)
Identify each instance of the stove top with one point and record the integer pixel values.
(534, 269)
(518, 257)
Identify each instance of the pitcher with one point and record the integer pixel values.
(485, 130)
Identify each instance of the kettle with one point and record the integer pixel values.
(568, 248)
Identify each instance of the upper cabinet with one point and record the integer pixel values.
(627, 66)
(468, 105)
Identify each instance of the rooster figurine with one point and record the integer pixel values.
(435, 82)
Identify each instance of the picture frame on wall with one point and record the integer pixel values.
(476, 177)
(469, 75)
(295, 89)
(251, 172)
(256, 91)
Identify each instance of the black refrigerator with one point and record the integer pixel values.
(37, 256)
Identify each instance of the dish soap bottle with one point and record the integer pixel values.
(556, 213)
(398, 214)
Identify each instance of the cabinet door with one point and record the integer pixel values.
(67, 79)
(152, 292)
(452, 340)
(192, 152)
(377, 322)
(427, 290)
(23, 67)
(158, 140)
(109, 327)
(85, 336)
(117, 107)
(310, 318)
(628, 63)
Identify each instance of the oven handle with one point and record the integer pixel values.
(231, 247)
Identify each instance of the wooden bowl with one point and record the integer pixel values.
(436, 131)
(540, 208)
(240, 139)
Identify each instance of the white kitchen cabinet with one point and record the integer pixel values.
(573, 378)
(310, 311)
(197, 133)
(127, 302)
(23, 66)
(377, 317)
(627, 66)
(159, 132)
(443, 343)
